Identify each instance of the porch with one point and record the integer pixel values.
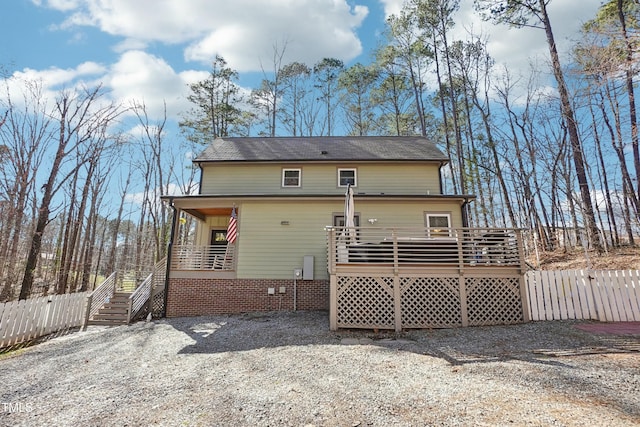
(403, 278)
(203, 257)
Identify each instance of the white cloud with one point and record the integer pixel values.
(141, 77)
(241, 31)
(392, 7)
(136, 76)
(58, 77)
(62, 5)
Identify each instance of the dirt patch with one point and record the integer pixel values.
(615, 328)
(617, 259)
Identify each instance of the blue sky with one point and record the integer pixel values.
(151, 49)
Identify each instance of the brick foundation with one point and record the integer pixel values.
(201, 297)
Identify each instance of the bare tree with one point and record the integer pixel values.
(519, 13)
(79, 118)
(25, 136)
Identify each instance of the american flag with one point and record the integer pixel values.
(232, 228)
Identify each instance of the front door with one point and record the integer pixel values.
(218, 237)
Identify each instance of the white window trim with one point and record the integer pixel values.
(284, 171)
(429, 229)
(355, 176)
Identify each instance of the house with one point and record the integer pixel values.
(285, 198)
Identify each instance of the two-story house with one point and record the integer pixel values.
(284, 194)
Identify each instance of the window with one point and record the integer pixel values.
(338, 220)
(346, 177)
(291, 177)
(438, 224)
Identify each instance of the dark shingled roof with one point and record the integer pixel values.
(322, 148)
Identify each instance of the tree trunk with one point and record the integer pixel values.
(43, 210)
(631, 94)
(574, 139)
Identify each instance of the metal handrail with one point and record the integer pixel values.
(101, 295)
(139, 298)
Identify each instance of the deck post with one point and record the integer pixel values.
(397, 303)
(397, 295)
(464, 312)
(526, 315)
(333, 303)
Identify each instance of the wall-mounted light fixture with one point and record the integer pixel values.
(372, 220)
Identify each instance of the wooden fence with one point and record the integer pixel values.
(604, 295)
(25, 320)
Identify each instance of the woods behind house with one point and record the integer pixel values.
(81, 175)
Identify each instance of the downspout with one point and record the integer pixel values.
(174, 225)
(201, 177)
(440, 175)
(465, 213)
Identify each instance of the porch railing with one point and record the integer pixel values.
(424, 247)
(213, 257)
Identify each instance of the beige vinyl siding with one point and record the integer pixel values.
(269, 250)
(391, 213)
(398, 178)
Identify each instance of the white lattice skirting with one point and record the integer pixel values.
(408, 302)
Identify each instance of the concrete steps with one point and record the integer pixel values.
(113, 313)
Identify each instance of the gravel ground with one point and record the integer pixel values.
(289, 369)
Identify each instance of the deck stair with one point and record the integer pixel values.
(114, 312)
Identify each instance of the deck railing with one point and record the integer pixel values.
(424, 248)
(213, 257)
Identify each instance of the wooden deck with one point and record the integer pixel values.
(393, 278)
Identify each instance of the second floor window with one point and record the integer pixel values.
(291, 177)
(346, 177)
(438, 224)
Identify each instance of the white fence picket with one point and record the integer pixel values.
(622, 299)
(578, 294)
(633, 289)
(25, 320)
(536, 308)
(585, 293)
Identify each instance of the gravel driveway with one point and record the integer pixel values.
(289, 369)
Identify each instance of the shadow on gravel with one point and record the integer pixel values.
(246, 332)
(35, 341)
(538, 342)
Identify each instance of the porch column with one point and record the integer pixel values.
(175, 228)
